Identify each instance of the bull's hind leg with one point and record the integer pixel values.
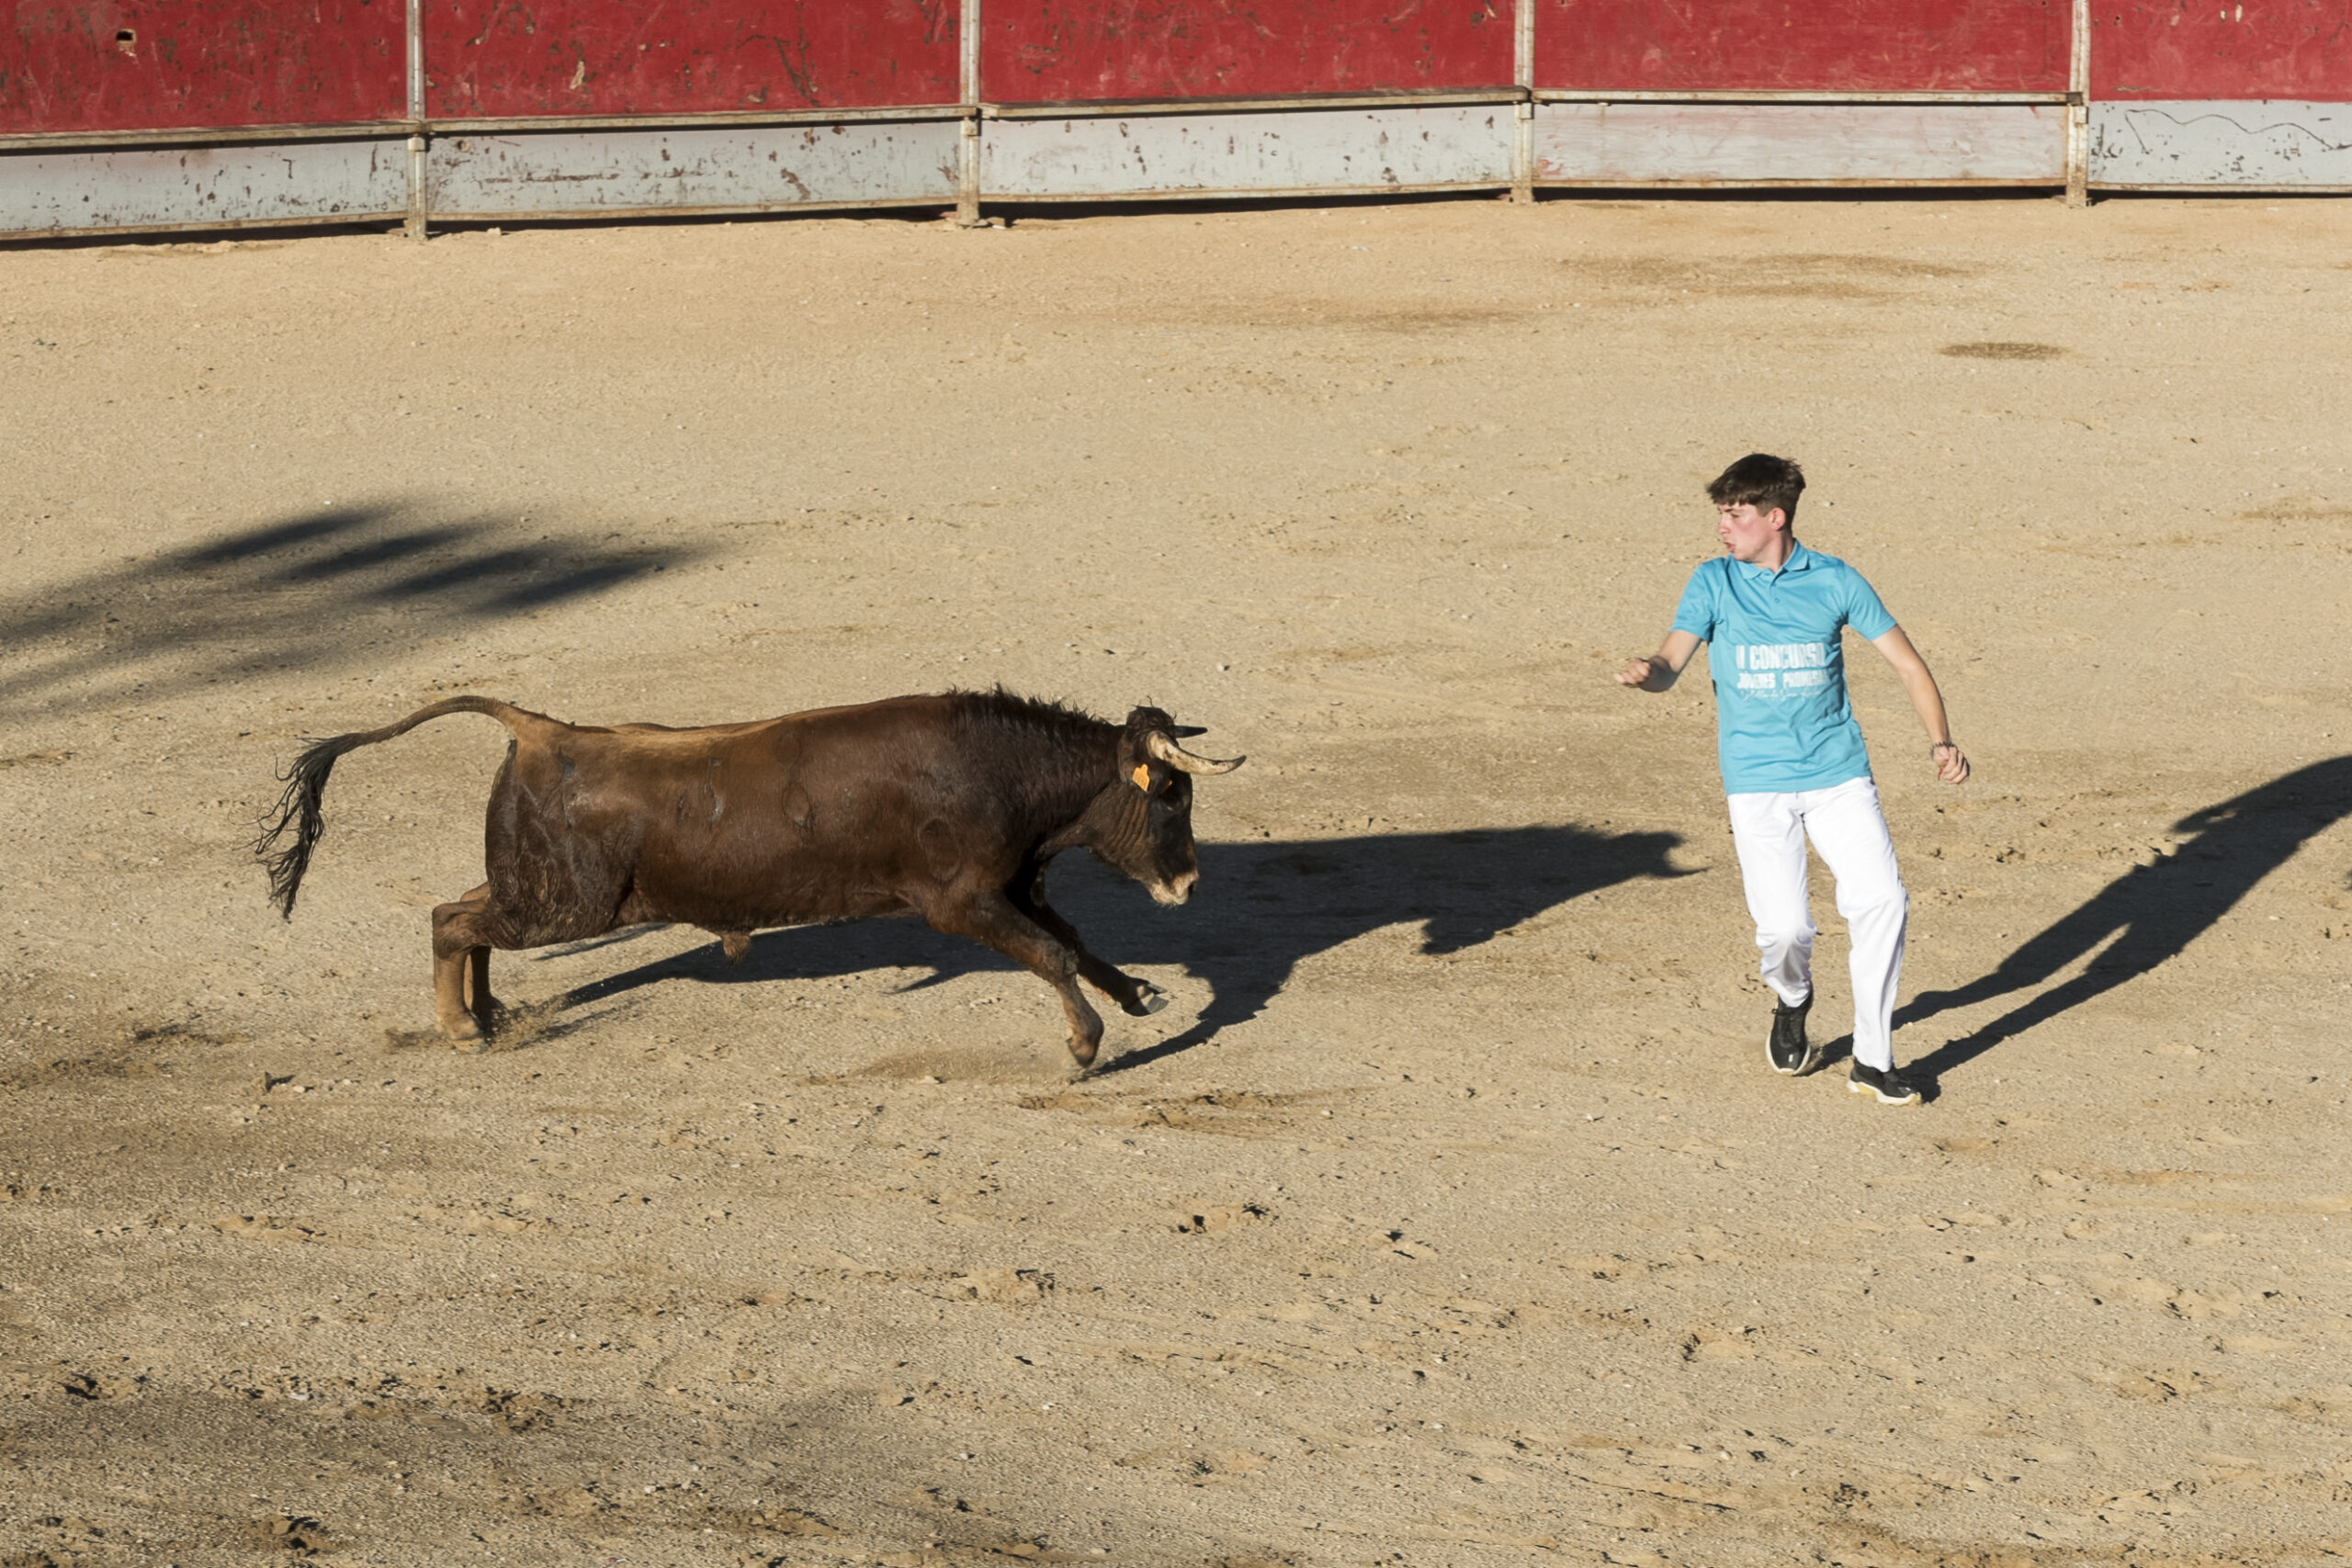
(1138, 998)
(462, 1005)
(479, 1001)
(996, 921)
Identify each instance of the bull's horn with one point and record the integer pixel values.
(1184, 762)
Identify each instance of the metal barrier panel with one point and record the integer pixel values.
(1112, 50)
(2237, 145)
(97, 189)
(2171, 50)
(1841, 46)
(481, 110)
(1749, 144)
(1281, 151)
(111, 65)
(494, 60)
(607, 172)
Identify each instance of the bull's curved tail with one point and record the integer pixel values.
(306, 782)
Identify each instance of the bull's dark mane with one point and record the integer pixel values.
(1045, 761)
(1004, 710)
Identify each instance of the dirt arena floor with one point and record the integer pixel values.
(1450, 1215)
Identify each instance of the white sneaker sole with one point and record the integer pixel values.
(1857, 1086)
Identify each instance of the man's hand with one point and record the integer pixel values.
(1657, 673)
(1951, 762)
(1640, 673)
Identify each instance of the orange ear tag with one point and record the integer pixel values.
(1142, 775)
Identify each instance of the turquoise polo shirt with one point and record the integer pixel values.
(1782, 718)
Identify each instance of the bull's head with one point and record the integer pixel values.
(1147, 826)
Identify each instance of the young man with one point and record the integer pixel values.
(1793, 763)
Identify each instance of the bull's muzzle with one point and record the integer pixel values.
(1175, 890)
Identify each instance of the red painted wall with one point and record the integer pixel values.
(80, 65)
(66, 64)
(2203, 49)
(1071, 50)
(498, 57)
(1974, 46)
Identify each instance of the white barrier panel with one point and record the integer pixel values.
(1269, 153)
(598, 172)
(100, 189)
(1762, 143)
(2259, 145)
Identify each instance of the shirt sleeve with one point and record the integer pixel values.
(1696, 613)
(1864, 613)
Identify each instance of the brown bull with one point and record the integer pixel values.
(946, 806)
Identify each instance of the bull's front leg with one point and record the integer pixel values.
(994, 919)
(1137, 998)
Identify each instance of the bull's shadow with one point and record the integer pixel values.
(2152, 912)
(1262, 908)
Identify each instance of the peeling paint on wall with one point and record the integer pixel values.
(2222, 143)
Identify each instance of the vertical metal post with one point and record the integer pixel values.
(968, 166)
(419, 196)
(2078, 111)
(1522, 71)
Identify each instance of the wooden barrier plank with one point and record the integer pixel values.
(2222, 143)
(743, 169)
(1652, 143)
(1226, 154)
(91, 190)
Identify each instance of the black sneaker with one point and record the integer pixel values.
(1890, 1087)
(1786, 1047)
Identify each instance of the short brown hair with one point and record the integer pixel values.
(1762, 481)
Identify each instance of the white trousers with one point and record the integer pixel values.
(1849, 831)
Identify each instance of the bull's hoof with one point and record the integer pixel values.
(1149, 999)
(465, 1026)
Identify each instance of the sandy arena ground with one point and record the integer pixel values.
(1450, 1215)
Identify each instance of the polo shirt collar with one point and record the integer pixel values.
(1800, 559)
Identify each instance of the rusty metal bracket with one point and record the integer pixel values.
(420, 195)
(967, 72)
(420, 192)
(1523, 152)
(1522, 76)
(2078, 114)
(967, 176)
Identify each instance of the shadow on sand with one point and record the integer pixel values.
(2152, 912)
(317, 590)
(1261, 909)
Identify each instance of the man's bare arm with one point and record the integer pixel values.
(1951, 762)
(1657, 673)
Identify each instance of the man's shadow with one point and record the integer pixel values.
(1262, 908)
(2152, 912)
